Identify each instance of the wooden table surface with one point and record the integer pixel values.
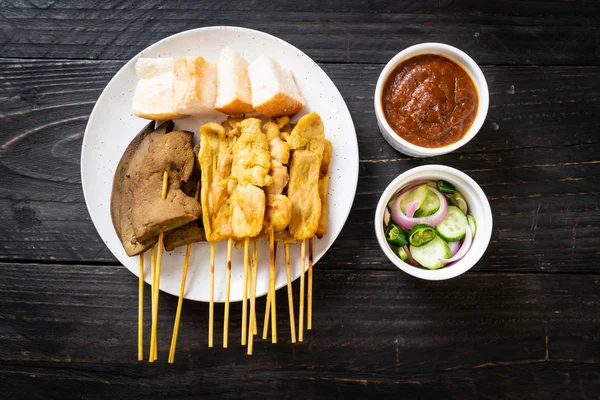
(523, 323)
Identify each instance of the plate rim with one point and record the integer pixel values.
(191, 32)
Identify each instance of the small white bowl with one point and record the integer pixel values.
(459, 57)
(478, 205)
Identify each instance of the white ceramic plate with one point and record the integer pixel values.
(112, 126)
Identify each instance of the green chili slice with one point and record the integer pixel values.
(446, 187)
(421, 234)
(395, 236)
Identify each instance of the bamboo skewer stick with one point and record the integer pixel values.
(152, 275)
(227, 289)
(310, 282)
(245, 289)
(249, 289)
(301, 311)
(159, 252)
(211, 309)
(141, 311)
(272, 288)
(290, 293)
(253, 288)
(154, 285)
(179, 304)
(270, 295)
(265, 333)
(253, 300)
(165, 185)
(186, 263)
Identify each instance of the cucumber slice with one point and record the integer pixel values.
(458, 200)
(472, 223)
(429, 206)
(454, 226)
(402, 254)
(418, 194)
(429, 255)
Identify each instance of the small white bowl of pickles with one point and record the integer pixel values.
(433, 222)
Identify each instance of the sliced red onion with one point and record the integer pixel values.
(408, 188)
(463, 249)
(410, 257)
(411, 208)
(404, 190)
(400, 193)
(407, 222)
(454, 247)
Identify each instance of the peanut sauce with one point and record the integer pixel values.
(430, 101)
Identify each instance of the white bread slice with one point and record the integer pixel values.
(274, 90)
(233, 89)
(195, 85)
(153, 98)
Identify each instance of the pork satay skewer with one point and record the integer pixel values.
(159, 252)
(188, 250)
(215, 162)
(306, 211)
(250, 172)
(231, 129)
(277, 213)
(215, 159)
(141, 311)
(324, 146)
(309, 179)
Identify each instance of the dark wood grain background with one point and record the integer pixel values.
(523, 323)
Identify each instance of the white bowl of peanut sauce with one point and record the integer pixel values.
(430, 99)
